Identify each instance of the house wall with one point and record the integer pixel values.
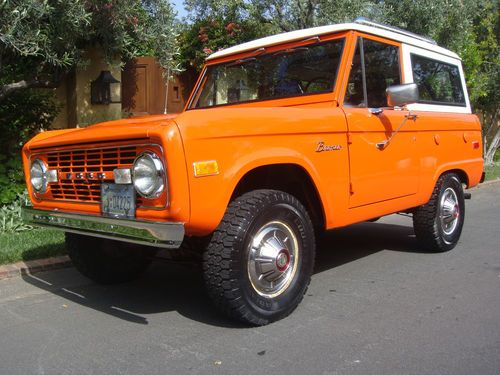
(74, 94)
(143, 92)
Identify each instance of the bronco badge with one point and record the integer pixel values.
(323, 147)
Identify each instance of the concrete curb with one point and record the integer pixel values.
(33, 266)
(489, 182)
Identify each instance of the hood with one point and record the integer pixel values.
(124, 129)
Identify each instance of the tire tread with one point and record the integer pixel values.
(220, 262)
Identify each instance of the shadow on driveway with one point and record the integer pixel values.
(170, 287)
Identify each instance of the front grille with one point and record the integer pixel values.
(90, 164)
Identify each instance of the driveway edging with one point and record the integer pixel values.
(33, 266)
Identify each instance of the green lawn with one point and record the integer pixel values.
(35, 244)
(492, 171)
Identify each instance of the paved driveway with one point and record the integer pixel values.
(376, 305)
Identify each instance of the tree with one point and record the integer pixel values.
(482, 59)
(215, 24)
(282, 15)
(41, 40)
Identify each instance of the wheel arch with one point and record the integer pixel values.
(288, 177)
(462, 175)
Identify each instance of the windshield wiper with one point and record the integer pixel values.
(290, 50)
(241, 61)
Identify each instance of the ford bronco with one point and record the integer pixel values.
(282, 137)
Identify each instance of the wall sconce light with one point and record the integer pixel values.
(105, 89)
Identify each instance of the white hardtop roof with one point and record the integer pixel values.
(386, 32)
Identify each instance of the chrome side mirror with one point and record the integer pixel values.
(401, 95)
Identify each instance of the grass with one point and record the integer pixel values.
(492, 171)
(28, 245)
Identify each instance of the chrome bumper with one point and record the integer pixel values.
(158, 234)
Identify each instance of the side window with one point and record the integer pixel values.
(355, 93)
(375, 67)
(438, 82)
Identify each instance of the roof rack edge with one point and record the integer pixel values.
(367, 22)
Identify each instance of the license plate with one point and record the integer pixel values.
(118, 200)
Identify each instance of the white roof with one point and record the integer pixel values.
(388, 33)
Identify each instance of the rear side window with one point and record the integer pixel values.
(438, 82)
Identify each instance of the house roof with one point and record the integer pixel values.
(362, 25)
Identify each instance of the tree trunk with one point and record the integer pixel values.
(492, 148)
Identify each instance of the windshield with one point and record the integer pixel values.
(290, 72)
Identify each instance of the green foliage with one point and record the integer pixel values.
(492, 171)
(206, 36)
(22, 115)
(41, 40)
(10, 215)
(274, 16)
(160, 34)
(11, 178)
(482, 57)
(43, 29)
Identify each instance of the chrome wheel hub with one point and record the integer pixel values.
(272, 259)
(449, 211)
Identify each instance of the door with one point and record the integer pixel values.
(144, 89)
(377, 173)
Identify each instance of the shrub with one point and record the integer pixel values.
(10, 215)
(22, 115)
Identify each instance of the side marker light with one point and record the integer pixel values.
(206, 168)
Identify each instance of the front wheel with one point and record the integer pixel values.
(438, 224)
(259, 262)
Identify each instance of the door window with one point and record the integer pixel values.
(375, 66)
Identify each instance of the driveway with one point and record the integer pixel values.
(376, 305)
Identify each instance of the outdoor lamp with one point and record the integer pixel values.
(105, 89)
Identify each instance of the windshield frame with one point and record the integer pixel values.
(325, 95)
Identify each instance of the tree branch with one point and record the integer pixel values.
(10, 88)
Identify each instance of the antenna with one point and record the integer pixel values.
(367, 22)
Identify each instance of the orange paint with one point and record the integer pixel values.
(354, 179)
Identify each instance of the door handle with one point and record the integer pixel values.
(375, 111)
(383, 144)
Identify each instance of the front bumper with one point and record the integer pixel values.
(159, 234)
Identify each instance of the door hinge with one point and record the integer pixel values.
(351, 190)
(349, 139)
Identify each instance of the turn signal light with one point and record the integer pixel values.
(206, 168)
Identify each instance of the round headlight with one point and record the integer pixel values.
(148, 175)
(38, 176)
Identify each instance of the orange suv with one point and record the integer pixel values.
(282, 137)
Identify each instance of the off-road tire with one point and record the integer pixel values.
(427, 222)
(226, 261)
(107, 261)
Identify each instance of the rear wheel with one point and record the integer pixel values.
(438, 224)
(259, 262)
(107, 261)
